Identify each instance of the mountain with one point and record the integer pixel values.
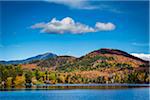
(102, 58)
(31, 59)
(117, 52)
(99, 66)
(56, 61)
(98, 58)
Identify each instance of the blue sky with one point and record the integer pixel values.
(23, 36)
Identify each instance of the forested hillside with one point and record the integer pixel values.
(100, 66)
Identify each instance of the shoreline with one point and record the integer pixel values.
(76, 86)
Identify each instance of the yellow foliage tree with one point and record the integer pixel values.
(61, 79)
(9, 82)
(19, 81)
(141, 77)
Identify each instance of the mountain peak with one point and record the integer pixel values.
(111, 51)
(34, 58)
(116, 52)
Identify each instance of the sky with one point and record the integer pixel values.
(75, 28)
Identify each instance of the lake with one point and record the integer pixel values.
(77, 94)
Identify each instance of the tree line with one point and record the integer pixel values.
(15, 76)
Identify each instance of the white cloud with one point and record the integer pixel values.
(142, 56)
(77, 4)
(140, 44)
(105, 26)
(68, 25)
(85, 5)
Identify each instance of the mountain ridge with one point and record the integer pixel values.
(37, 57)
(51, 55)
(118, 52)
(98, 58)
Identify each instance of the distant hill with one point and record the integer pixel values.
(31, 59)
(102, 58)
(56, 61)
(117, 52)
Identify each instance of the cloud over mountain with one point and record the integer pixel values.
(142, 56)
(68, 25)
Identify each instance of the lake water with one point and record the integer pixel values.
(77, 94)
